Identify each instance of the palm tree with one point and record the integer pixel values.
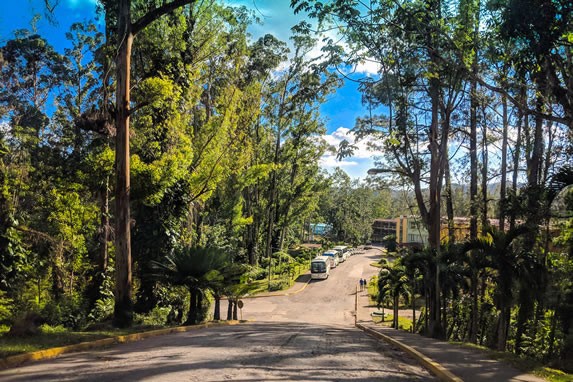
(476, 263)
(452, 280)
(393, 281)
(198, 269)
(225, 284)
(414, 265)
(504, 258)
(423, 262)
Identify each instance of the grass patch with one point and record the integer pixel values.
(257, 286)
(262, 286)
(56, 337)
(403, 322)
(531, 366)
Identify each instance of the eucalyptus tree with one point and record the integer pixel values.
(31, 71)
(290, 113)
(421, 89)
(265, 56)
(192, 152)
(127, 29)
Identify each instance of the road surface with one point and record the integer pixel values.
(308, 336)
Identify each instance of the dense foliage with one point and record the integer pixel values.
(208, 144)
(470, 92)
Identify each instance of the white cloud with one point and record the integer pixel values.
(343, 133)
(368, 67)
(330, 161)
(355, 166)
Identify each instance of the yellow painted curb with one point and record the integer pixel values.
(437, 369)
(39, 355)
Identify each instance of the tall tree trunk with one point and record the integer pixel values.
(503, 327)
(450, 206)
(434, 219)
(473, 157)
(502, 190)
(192, 314)
(123, 309)
(522, 122)
(229, 309)
(217, 311)
(534, 171)
(484, 178)
(474, 309)
(126, 31)
(474, 320)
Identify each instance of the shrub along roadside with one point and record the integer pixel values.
(55, 336)
(50, 337)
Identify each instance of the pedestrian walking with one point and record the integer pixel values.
(361, 284)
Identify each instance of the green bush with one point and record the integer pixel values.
(102, 310)
(5, 308)
(254, 273)
(278, 284)
(157, 317)
(389, 242)
(69, 312)
(49, 329)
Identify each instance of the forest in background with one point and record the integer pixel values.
(220, 178)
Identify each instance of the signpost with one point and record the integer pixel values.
(240, 305)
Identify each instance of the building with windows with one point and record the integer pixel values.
(409, 230)
(382, 228)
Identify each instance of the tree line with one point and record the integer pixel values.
(164, 134)
(472, 92)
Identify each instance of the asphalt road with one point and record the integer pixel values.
(307, 336)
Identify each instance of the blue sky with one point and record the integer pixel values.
(339, 112)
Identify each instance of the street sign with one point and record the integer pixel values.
(240, 305)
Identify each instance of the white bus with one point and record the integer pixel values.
(334, 257)
(320, 268)
(342, 252)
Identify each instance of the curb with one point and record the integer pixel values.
(40, 355)
(435, 368)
